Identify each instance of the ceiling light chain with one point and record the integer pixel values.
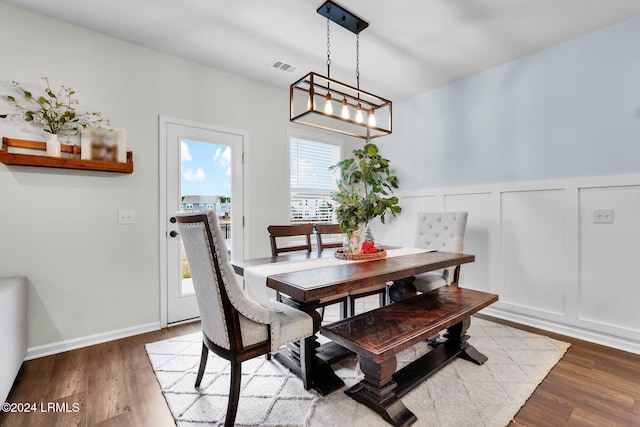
(328, 106)
(358, 60)
(328, 45)
(358, 118)
(313, 85)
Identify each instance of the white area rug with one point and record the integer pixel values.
(461, 394)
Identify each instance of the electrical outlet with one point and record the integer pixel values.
(603, 216)
(126, 217)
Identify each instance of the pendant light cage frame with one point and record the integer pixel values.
(308, 97)
(325, 103)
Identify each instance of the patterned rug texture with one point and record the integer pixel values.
(461, 394)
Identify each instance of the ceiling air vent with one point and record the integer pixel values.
(283, 66)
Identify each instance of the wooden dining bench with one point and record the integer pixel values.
(379, 335)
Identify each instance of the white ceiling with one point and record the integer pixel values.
(410, 46)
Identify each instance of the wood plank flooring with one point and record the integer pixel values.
(592, 385)
(113, 384)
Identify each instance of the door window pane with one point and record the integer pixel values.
(205, 184)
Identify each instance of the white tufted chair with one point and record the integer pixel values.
(443, 231)
(233, 325)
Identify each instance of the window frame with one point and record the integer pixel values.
(313, 137)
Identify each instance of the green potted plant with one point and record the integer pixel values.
(364, 186)
(54, 112)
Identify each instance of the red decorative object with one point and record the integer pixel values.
(369, 248)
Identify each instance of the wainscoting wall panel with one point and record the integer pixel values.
(478, 239)
(536, 245)
(531, 249)
(609, 262)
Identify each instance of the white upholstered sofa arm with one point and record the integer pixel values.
(13, 318)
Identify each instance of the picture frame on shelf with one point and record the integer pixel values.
(104, 144)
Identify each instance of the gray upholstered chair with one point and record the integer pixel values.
(443, 231)
(233, 326)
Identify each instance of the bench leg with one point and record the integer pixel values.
(376, 391)
(458, 334)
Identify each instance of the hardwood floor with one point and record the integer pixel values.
(113, 384)
(591, 385)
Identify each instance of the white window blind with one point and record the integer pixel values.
(311, 181)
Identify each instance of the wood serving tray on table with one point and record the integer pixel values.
(361, 257)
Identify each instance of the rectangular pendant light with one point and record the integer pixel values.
(308, 98)
(324, 103)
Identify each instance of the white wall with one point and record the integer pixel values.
(569, 110)
(89, 278)
(572, 110)
(537, 247)
(507, 145)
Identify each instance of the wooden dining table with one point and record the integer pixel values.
(306, 288)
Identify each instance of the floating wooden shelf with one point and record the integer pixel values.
(74, 162)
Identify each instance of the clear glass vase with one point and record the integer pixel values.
(368, 235)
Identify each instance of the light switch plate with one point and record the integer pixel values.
(126, 217)
(603, 216)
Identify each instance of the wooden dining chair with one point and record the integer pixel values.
(324, 230)
(233, 325)
(380, 289)
(277, 233)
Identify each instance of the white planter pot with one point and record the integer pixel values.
(53, 146)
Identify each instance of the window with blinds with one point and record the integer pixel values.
(311, 181)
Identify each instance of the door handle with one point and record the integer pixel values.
(173, 233)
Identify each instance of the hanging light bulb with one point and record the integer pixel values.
(354, 118)
(372, 119)
(345, 110)
(359, 117)
(328, 106)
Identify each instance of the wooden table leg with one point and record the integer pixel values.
(402, 289)
(376, 391)
(301, 356)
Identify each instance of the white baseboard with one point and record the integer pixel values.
(59, 347)
(568, 330)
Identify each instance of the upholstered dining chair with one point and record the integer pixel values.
(381, 289)
(233, 326)
(443, 231)
(277, 233)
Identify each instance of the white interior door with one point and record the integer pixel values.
(201, 168)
